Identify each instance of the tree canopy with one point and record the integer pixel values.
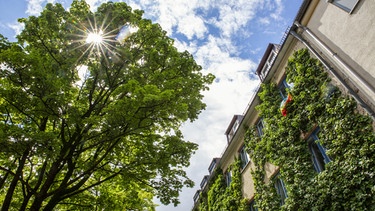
(88, 125)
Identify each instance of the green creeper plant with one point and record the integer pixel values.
(219, 196)
(347, 183)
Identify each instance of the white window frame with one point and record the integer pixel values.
(260, 127)
(233, 130)
(196, 196)
(280, 189)
(346, 5)
(313, 140)
(204, 182)
(212, 166)
(228, 178)
(252, 206)
(245, 159)
(268, 64)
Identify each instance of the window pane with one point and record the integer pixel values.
(260, 127)
(319, 156)
(280, 189)
(347, 5)
(316, 156)
(252, 206)
(244, 157)
(228, 178)
(323, 151)
(212, 166)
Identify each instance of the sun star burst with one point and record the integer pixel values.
(100, 40)
(95, 37)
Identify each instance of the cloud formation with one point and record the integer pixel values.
(34, 7)
(17, 27)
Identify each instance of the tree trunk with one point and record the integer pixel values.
(2, 181)
(25, 201)
(13, 184)
(52, 202)
(42, 195)
(37, 203)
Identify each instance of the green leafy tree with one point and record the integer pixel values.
(109, 139)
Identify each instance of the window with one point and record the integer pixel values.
(196, 196)
(204, 182)
(267, 61)
(252, 206)
(280, 189)
(235, 125)
(347, 5)
(319, 156)
(260, 126)
(265, 70)
(244, 157)
(228, 178)
(233, 130)
(268, 64)
(212, 165)
(271, 57)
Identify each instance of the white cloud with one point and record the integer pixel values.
(184, 18)
(234, 15)
(276, 15)
(94, 3)
(264, 21)
(219, 51)
(191, 26)
(17, 27)
(176, 16)
(34, 7)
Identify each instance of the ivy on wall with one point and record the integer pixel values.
(221, 197)
(348, 182)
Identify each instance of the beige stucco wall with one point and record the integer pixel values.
(350, 36)
(270, 171)
(231, 152)
(248, 188)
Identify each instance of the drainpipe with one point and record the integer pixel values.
(334, 55)
(334, 73)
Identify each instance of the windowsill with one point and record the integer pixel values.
(245, 167)
(308, 134)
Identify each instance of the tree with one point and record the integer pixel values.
(109, 139)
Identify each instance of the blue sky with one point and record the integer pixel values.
(226, 37)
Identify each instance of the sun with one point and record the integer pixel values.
(95, 37)
(98, 42)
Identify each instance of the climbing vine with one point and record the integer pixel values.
(222, 197)
(348, 182)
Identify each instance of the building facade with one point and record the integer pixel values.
(306, 140)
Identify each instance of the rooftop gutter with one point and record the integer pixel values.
(353, 73)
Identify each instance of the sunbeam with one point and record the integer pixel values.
(95, 37)
(99, 42)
